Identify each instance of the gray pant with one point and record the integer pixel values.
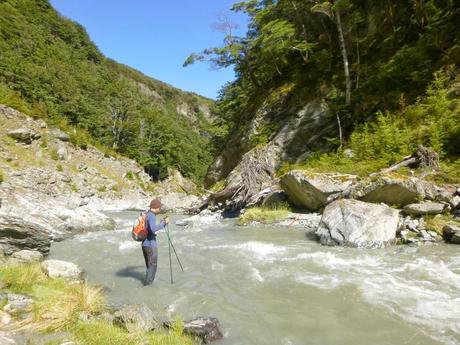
(151, 260)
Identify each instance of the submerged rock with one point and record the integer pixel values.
(62, 269)
(136, 317)
(311, 190)
(358, 224)
(424, 208)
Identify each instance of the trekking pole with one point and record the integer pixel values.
(170, 242)
(170, 263)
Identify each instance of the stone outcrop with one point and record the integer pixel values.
(424, 208)
(24, 135)
(62, 269)
(136, 317)
(312, 190)
(358, 224)
(27, 256)
(17, 234)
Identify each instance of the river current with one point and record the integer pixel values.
(275, 286)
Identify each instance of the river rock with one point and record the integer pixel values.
(357, 224)
(207, 329)
(136, 317)
(17, 234)
(24, 135)
(305, 220)
(178, 202)
(27, 256)
(18, 303)
(311, 190)
(424, 208)
(451, 233)
(205, 217)
(63, 154)
(62, 269)
(455, 202)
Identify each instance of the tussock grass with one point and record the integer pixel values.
(58, 305)
(265, 214)
(437, 222)
(21, 278)
(102, 333)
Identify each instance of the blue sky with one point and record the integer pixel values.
(156, 36)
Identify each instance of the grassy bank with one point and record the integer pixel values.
(58, 305)
(265, 214)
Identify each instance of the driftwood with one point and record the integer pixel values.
(247, 182)
(424, 158)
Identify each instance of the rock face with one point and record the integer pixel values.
(17, 234)
(207, 329)
(424, 208)
(358, 224)
(62, 269)
(451, 233)
(136, 317)
(311, 190)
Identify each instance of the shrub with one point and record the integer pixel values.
(2, 176)
(59, 167)
(54, 155)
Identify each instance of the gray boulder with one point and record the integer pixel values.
(424, 208)
(18, 303)
(6, 340)
(136, 317)
(355, 223)
(451, 233)
(17, 234)
(311, 190)
(62, 269)
(394, 191)
(58, 134)
(206, 329)
(27, 256)
(24, 135)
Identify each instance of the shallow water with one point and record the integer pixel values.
(276, 286)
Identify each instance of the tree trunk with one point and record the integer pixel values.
(344, 56)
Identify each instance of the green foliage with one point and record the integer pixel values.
(265, 214)
(2, 176)
(59, 167)
(129, 175)
(21, 278)
(102, 189)
(49, 68)
(433, 121)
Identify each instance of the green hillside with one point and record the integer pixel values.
(49, 68)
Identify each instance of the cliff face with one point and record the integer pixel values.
(296, 131)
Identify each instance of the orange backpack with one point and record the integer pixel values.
(140, 231)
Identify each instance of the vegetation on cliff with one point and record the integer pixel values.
(49, 68)
(370, 62)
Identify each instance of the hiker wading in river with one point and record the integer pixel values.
(149, 245)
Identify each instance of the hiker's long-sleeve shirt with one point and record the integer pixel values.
(152, 228)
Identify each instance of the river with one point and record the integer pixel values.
(275, 286)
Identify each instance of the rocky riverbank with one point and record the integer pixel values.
(51, 189)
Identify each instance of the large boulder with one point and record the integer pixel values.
(136, 317)
(311, 190)
(17, 234)
(62, 269)
(178, 202)
(394, 190)
(358, 224)
(24, 135)
(206, 329)
(424, 208)
(451, 233)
